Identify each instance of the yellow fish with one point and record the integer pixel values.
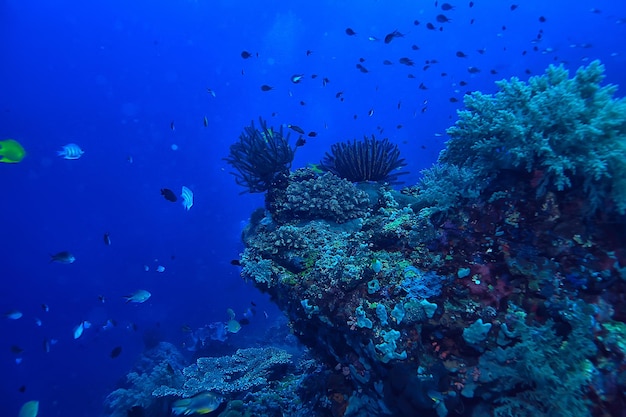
(202, 403)
(11, 152)
(30, 409)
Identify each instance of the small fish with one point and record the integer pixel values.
(415, 47)
(16, 349)
(101, 298)
(168, 195)
(187, 196)
(245, 54)
(473, 70)
(235, 262)
(453, 99)
(202, 403)
(339, 94)
(205, 122)
(208, 90)
(172, 127)
(266, 87)
(309, 52)
(107, 239)
(542, 19)
(38, 321)
(70, 151)
(461, 54)
(350, 32)
(312, 134)
(296, 129)
(300, 142)
(80, 328)
(325, 81)
(430, 26)
(390, 36)
(13, 315)
(387, 62)
(116, 352)
(63, 257)
(442, 18)
(29, 409)
(22, 389)
(296, 78)
(160, 268)
(109, 324)
(139, 296)
(372, 38)
(362, 68)
(370, 113)
(406, 61)
(45, 307)
(46, 345)
(447, 6)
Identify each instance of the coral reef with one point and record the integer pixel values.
(309, 196)
(369, 159)
(246, 370)
(161, 365)
(562, 133)
(260, 157)
(492, 298)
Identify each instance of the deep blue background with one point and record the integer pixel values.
(112, 75)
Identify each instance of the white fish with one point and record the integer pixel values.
(138, 296)
(187, 196)
(160, 268)
(71, 151)
(78, 330)
(38, 321)
(13, 315)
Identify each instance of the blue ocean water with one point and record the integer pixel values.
(129, 83)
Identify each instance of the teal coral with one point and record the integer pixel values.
(568, 132)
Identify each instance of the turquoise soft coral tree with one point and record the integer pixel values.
(569, 132)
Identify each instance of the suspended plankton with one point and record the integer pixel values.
(71, 151)
(187, 197)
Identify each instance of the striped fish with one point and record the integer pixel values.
(71, 151)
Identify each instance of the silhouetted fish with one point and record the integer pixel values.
(169, 195)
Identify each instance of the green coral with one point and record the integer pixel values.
(569, 132)
(541, 373)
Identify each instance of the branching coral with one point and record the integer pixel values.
(246, 370)
(567, 132)
(259, 156)
(369, 159)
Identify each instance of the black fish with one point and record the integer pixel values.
(430, 26)
(406, 61)
(116, 352)
(395, 34)
(107, 239)
(312, 134)
(473, 70)
(542, 19)
(453, 99)
(235, 262)
(168, 194)
(266, 87)
(461, 54)
(300, 142)
(441, 18)
(350, 32)
(245, 54)
(296, 129)
(22, 388)
(447, 6)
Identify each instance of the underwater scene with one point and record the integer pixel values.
(345, 208)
